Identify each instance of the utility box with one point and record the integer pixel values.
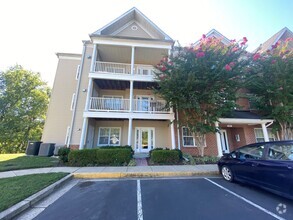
(46, 149)
(33, 148)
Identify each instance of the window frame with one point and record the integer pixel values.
(270, 133)
(194, 145)
(109, 136)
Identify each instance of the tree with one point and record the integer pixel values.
(24, 98)
(270, 80)
(200, 82)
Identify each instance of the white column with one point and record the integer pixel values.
(218, 137)
(265, 132)
(132, 60)
(94, 58)
(131, 97)
(173, 135)
(129, 132)
(83, 133)
(178, 130)
(89, 94)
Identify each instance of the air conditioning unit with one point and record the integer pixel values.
(33, 148)
(47, 149)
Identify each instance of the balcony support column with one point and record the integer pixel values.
(94, 59)
(218, 138)
(265, 132)
(131, 97)
(132, 59)
(89, 94)
(129, 132)
(173, 134)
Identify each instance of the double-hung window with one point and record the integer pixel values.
(188, 139)
(109, 136)
(259, 136)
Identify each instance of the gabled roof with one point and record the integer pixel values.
(133, 16)
(216, 34)
(283, 33)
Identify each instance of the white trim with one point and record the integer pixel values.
(98, 144)
(77, 72)
(224, 131)
(243, 121)
(218, 139)
(67, 136)
(127, 115)
(270, 134)
(72, 101)
(279, 37)
(64, 57)
(112, 96)
(122, 28)
(124, 77)
(130, 43)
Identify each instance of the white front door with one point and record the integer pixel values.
(144, 139)
(224, 141)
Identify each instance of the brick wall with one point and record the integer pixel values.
(74, 147)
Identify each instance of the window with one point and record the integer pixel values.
(109, 136)
(144, 71)
(259, 137)
(72, 101)
(77, 72)
(281, 152)
(187, 137)
(251, 152)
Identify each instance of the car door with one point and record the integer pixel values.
(277, 169)
(246, 167)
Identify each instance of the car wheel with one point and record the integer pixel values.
(227, 173)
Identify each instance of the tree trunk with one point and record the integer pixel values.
(200, 142)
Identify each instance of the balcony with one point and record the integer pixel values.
(110, 70)
(100, 104)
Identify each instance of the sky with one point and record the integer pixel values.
(33, 31)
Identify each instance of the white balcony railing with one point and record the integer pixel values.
(123, 68)
(122, 105)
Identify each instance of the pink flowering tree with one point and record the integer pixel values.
(270, 80)
(200, 82)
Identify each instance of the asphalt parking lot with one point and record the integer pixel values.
(150, 199)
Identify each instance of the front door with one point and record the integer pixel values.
(224, 141)
(144, 103)
(144, 139)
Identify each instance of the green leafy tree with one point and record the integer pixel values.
(24, 98)
(270, 81)
(201, 82)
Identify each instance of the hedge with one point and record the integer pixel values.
(100, 156)
(166, 156)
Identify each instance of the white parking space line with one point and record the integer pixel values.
(139, 203)
(246, 200)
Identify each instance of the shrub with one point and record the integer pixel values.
(114, 156)
(155, 149)
(85, 157)
(191, 160)
(118, 147)
(63, 154)
(165, 156)
(98, 156)
(206, 160)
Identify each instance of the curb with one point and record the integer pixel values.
(115, 175)
(33, 199)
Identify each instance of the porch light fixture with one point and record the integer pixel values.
(84, 90)
(89, 56)
(237, 137)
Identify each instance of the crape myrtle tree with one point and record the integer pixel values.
(270, 81)
(200, 82)
(24, 98)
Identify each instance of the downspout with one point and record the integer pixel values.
(76, 92)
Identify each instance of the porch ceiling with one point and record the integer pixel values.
(122, 54)
(122, 85)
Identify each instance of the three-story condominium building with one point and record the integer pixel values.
(104, 96)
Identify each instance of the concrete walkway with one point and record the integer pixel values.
(122, 172)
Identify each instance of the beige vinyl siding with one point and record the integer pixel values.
(81, 97)
(59, 113)
(129, 32)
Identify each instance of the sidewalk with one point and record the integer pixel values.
(122, 172)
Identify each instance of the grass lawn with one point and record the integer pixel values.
(20, 161)
(16, 189)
